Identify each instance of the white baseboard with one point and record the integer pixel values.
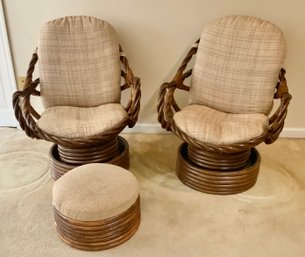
(156, 128)
(293, 133)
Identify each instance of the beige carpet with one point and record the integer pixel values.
(268, 220)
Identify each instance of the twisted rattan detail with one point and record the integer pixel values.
(27, 116)
(24, 112)
(167, 105)
(166, 100)
(132, 82)
(276, 121)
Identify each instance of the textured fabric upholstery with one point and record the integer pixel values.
(211, 126)
(237, 65)
(94, 192)
(69, 121)
(79, 63)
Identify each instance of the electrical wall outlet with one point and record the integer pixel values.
(20, 82)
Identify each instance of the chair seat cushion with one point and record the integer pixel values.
(70, 122)
(94, 192)
(212, 126)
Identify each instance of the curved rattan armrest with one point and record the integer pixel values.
(132, 108)
(166, 105)
(276, 122)
(166, 101)
(24, 112)
(132, 82)
(276, 125)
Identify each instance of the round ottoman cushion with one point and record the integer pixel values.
(94, 192)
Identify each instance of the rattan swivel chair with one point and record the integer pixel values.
(80, 68)
(236, 76)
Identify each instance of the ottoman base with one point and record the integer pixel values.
(100, 234)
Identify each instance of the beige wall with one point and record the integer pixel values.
(156, 35)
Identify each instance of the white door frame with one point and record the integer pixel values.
(7, 77)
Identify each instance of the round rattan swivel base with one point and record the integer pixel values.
(100, 234)
(96, 206)
(59, 167)
(215, 181)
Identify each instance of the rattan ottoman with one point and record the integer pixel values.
(96, 206)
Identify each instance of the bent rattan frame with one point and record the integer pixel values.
(100, 234)
(167, 105)
(27, 116)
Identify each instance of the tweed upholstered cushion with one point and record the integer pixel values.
(237, 65)
(69, 121)
(79, 62)
(212, 126)
(94, 192)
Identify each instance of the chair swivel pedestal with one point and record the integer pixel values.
(219, 174)
(62, 159)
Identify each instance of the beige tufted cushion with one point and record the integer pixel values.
(237, 65)
(69, 121)
(79, 62)
(212, 126)
(94, 192)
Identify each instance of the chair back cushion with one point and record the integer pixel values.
(79, 62)
(237, 65)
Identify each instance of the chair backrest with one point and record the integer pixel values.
(79, 62)
(237, 65)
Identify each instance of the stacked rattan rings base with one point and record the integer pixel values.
(101, 234)
(215, 181)
(59, 167)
